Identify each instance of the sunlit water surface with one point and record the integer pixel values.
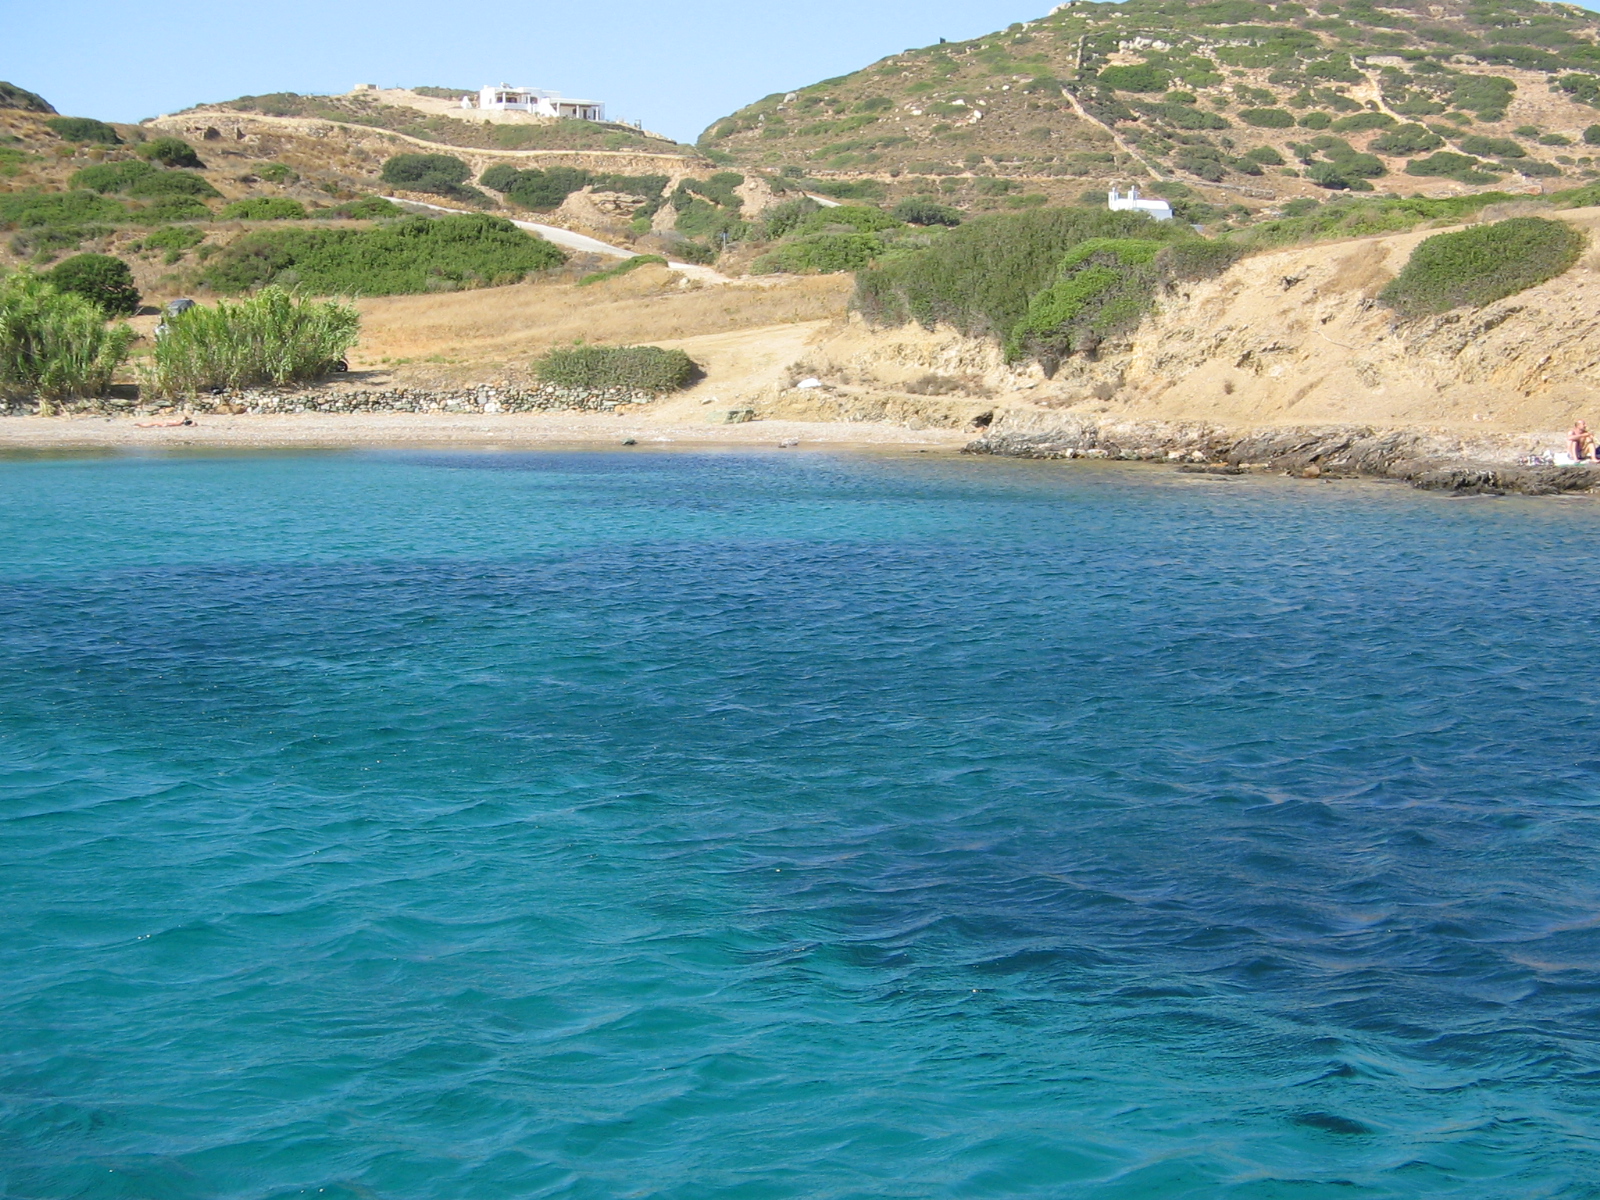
(712, 826)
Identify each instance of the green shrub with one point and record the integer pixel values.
(104, 281)
(1591, 135)
(859, 218)
(626, 267)
(1197, 258)
(417, 254)
(274, 172)
(783, 219)
(1583, 88)
(1268, 118)
(821, 254)
(1481, 265)
(106, 178)
(629, 368)
(434, 174)
(500, 177)
(83, 129)
(981, 276)
(162, 184)
(1405, 140)
(368, 208)
(44, 242)
(1449, 165)
(175, 240)
(1183, 116)
(61, 209)
(544, 190)
(848, 189)
(1491, 147)
(174, 208)
(1583, 197)
(273, 337)
(1265, 156)
(1349, 216)
(1104, 287)
(1362, 121)
(1138, 78)
(171, 152)
(919, 210)
(1315, 120)
(265, 208)
(55, 345)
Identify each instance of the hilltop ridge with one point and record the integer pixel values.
(1242, 103)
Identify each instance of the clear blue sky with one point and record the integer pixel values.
(676, 66)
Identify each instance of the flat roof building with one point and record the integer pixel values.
(534, 101)
(1133, 202)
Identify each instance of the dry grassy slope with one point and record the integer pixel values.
(1288, 338)
(948, 117)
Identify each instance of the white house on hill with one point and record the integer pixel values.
(1132, 202)
(505, 98)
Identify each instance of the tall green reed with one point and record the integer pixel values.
(273, 337)
(55, 345)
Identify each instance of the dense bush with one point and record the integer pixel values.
(1405, 140)
(1138, 78)
(435, 174)
(162, 184)
(1346, 217)
(859, 218)
(1315, 120)
(60, 209)
(1104, 286)
(265, 208)
(83, 129)
(981, 277)
(55, 345)
(1491, 147)
(848, 189)
(820, 254)
(275, 172)
(174, 240)
(171, 152)
(173, 208)
(919, 210)
(106, 178)
(1591, 135)
(417, 254)
(1183, 116)
(626, 267)
(368, 208)
(104, 281)
(1264, 156)
(1481, 265)
(541, 191)
(633, 368)
(1362, 121)
(783, 219)
(1449, 165)
(273, 337)
(1268, 118)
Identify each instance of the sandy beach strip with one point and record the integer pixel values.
(502, 430)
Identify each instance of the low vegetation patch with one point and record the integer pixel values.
(273, 337)
(630, 368)
(171, 152)
(1478, 266)
(266, 208)
(1345, 217)
(626, 267)
(84, 130)
(435, 174)
(416, 254)
(541, 191)
(55, 345)
(820, 254)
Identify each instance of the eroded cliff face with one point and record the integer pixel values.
(1295, 337)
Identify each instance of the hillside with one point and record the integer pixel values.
(266, 165)
(1226, 106)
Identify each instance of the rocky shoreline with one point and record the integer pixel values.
(256, 401)
(1431, 461)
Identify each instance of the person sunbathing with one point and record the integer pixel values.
(162, 424)
(1580, 443)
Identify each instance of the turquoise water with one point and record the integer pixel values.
(713, 826)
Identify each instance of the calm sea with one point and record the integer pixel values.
(746, 826)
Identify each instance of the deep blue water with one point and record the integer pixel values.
(714, 826)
